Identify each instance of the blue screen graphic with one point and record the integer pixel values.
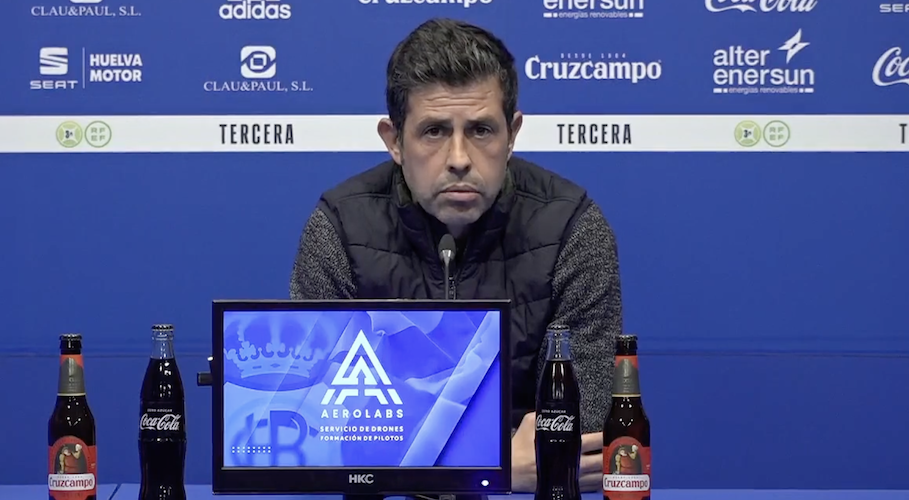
(362, 389)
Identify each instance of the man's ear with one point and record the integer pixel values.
(389, 136)
(516, 122)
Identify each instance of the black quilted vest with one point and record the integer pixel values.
(509, 253)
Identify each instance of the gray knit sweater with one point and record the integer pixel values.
(586, 295)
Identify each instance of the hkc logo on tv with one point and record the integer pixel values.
(360, 478)
(368, 386)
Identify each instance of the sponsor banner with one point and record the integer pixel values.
(892, 68)
(255, 10)
(62, 69)
(771, 69)
(463, 3)
(540, 133)
(593, 9)
(894, 7)
(54, 9)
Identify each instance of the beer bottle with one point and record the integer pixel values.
(71, 473)
(626, 431)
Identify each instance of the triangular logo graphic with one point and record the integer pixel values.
(361, 370)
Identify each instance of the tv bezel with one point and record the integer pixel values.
(386, 481)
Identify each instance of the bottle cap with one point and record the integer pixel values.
(628, 337)
(162, 327)
(557, 328)
(71, 336)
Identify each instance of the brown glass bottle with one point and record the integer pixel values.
(626, 430)
(72, 473)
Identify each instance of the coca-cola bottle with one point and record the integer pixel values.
(162, 423)
(558, 427)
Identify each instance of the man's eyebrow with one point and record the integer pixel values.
(438, 120)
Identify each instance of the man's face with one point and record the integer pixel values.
(454, 150)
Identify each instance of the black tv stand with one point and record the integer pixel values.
(453, 496)
(364, 497)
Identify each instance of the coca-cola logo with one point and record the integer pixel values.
(559, 423)
(891, 68)
(168, 422)
(762, 5)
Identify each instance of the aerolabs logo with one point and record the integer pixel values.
(361, 370)
(464, 3)
(746, 70)
(891, 68)
(246, 10)
(593, 9)
(765, 6)
(588, 66)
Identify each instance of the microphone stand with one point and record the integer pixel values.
(448, 279)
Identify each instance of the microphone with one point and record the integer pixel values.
(446, 253)
(447, 250)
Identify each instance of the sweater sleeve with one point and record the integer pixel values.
(587, 299)
(321, 268)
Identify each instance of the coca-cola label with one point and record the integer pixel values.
(626, 470)
(167, 422)
(161, 418)
(555, 423)
(71, 473)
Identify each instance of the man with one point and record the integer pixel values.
(522, 232)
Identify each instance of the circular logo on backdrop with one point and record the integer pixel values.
(69, 134)
(747, 133)
(97, 134)
(776, 134)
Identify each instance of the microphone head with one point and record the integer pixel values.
(447, 247)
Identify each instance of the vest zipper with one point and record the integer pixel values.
(454, 273)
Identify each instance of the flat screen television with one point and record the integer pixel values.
(361, 397)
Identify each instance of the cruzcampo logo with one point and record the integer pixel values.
(749, 133)
(96, 134)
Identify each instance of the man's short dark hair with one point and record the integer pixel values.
(449, 52)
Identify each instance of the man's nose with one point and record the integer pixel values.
(458, 158)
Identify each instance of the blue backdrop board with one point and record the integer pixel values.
(751, 156)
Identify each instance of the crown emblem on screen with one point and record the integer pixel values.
(276, 357)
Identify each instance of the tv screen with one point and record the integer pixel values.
(338, 388)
